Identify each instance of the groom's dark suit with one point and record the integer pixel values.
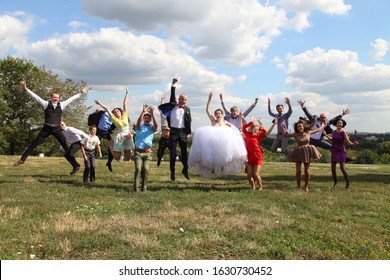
(177, 134)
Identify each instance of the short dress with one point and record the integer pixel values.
(255, 152)
(122, 142)
(303, 152)
(338, 151)
(217, 151)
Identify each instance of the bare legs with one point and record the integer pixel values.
(298, 174)
(254, 177)
(345, 174)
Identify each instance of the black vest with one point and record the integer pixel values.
(53, 116)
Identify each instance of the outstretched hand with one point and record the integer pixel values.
(23, 84)
(84, 89)
(174, 81)
(345, 112)
(210, 95)
(301, 103)
(220, 96)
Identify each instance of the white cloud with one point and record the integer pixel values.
(233, 32)
(77, 24)
(111, 58)
(337, 77)
(333, 7)
(303, 9)
(14, 29)
(333, 72)
(380, 49)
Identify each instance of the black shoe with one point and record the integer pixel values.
(158, 161)
(108, 164)
(75, 169)
(185, 173)
(173, 176)
(349, 159)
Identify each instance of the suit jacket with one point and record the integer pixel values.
(167, 108)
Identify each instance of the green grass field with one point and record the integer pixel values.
(47, 214)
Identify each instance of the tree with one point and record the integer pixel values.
(21, 116)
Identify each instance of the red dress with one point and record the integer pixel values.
(255, 152)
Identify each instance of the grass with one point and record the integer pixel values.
(47, 214)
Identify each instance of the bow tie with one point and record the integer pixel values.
(181, 106)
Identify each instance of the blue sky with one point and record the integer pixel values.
(334, 54)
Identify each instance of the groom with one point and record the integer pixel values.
(179, 122)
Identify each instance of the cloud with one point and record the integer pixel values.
(77, 24)
(112, 58)
(332, 7)
(336, 79)
(303, 9)
(14, 29)
(380, 49)
(232, 32)
(333, 72)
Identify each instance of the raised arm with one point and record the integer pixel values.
(227, 113)
(44, 103)
(272, 114)
(139, 120)
(275, 122)
(74, 97)
(289, 112)
(208, 109)
(105, 108)
(334, 120)
(251, 108)
(125, 100)
(155, 124)
(172, 99)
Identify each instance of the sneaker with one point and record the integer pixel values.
(19, 162)
(74, 171)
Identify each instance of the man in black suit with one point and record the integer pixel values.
(179, 122)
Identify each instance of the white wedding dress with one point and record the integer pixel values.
(217, 151)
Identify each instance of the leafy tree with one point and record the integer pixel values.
(21, 116)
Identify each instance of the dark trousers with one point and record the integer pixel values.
(89, 166)
(102, 134)
(177, 135)
(45, 132)
(163, 144)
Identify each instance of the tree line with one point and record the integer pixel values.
(22, 117)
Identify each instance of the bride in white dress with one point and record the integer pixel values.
(217, 150)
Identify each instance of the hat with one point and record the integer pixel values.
(147, 114)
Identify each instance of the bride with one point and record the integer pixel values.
(217, 150)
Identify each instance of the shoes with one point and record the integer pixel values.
(19, 162)
(185, 173)
(173, 176)
(74, 171)
(108, 164)
(158, 161)
(349, 159)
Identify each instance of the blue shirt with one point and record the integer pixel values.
(144, 136)
(281, 118)
(105, 122)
